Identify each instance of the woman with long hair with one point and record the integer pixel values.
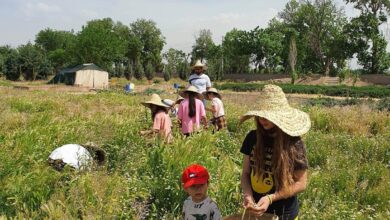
(191, 111)
(274, 163)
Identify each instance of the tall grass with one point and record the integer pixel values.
(348, 149)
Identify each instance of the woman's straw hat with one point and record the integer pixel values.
(198, 63)
(192, 89)
(213, 90)
(155, 100)
(275, 108)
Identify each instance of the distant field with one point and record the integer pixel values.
(348, 149)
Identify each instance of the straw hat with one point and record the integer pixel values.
(198, 63)
(193, 89)
(155, 100)
(169, 102)
(275, 108)
(213, 90)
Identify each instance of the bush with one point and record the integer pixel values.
(347, 91)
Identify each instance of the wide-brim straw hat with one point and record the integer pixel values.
(198, 63)
(275, 108)
(213, 90)
(155, 100)
(169, 102)
(192, 89)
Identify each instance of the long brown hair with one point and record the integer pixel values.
(192, 104)
(283, 157)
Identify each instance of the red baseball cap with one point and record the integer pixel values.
(194, 174)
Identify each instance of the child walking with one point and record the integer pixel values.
(217, 109)
(198, 206)
(191, 111)
(275, 165)
(162, 124)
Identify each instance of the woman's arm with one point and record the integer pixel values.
(245, 182)
(299, 185)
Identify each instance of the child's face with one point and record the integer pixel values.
(266, 124)
(198, 192)
(209, 96)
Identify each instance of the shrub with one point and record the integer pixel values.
(348, 91)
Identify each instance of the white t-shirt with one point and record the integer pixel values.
(201, 82)
(73, 155)
(205, 210)
(218, 106)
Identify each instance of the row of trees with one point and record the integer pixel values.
(133, 50)
(307, 36)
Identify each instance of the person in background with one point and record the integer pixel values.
(275, 165)
(162, 124)
(173, 109)
(217, 109)
(199, 79)
(198, 205)
(191, 111)
(78, 157)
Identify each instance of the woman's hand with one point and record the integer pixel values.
(261, 207)
(249, 202)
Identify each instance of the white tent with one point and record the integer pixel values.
(85, 75)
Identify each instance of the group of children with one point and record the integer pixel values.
(274, 167)
(190, 114)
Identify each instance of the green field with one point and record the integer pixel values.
(348, 150)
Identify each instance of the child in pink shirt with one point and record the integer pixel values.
(162, 124)
(191, 111)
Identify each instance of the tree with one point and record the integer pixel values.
(11, 65)
(203, 44)
(98, 43)
(292, 57)
(184, 69)
(57, 45)
(139, 71)
(319, 25)
(265, 48)
(369, 42)
(325, 25)
(146, 42)
(129, 71)
(236, 51)
(174, 58)
(32, 61)
(167, 73)
(4, 53)
(150, 71)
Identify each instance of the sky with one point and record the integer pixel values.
(179, 20)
